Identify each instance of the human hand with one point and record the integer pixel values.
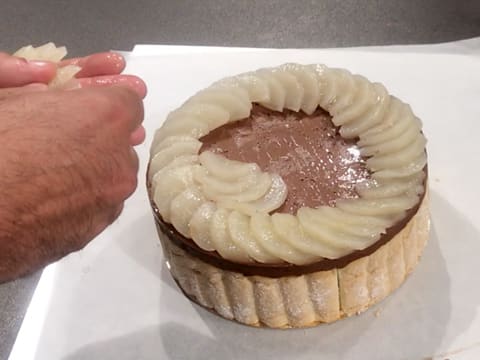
(67, 164)
(19, 76)
(97, 70)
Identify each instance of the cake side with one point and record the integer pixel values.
(304, 300)
(290, 196)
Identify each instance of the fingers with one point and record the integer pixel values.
(104, 69)
(16, 71)
(125, 179)
(137, 131)
(97, 70)
(138, 136)
(129, 106)
(134, 162)
(107, 63)
(130, 81)
(124, 108)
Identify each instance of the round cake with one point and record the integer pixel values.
(290, 196)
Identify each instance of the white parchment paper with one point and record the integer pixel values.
(116, 299)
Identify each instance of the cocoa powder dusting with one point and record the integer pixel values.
(316, 163)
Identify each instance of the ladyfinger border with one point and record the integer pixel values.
(306, 300)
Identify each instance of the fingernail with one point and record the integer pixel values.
(41, 64)
(36, 87)
(116, 59)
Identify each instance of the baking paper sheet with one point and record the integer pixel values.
(116, 299)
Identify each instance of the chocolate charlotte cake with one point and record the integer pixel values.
(291, 196)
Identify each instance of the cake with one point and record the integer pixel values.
(290, 196)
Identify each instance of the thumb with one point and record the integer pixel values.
(15, 71)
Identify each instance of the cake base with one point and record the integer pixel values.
(306, 300)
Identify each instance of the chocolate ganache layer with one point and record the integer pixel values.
(316, 163)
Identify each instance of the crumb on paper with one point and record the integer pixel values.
(453, 352)
(377, 312)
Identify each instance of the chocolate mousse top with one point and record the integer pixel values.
(307, 151)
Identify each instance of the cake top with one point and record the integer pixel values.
(317, 165)
(235, 207)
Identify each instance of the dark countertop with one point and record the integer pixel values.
(89, 26)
